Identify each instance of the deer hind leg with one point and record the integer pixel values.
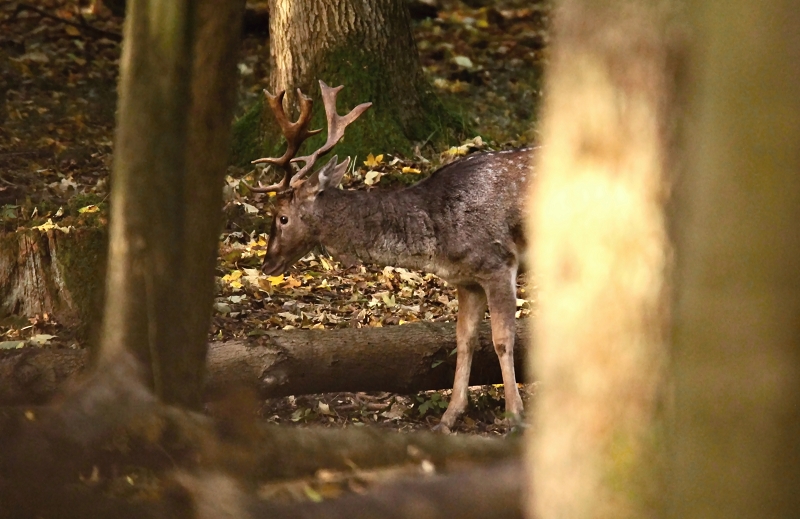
(502, 295)
(471, 308)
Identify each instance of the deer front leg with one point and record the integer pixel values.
(471, 308)
(502, 296)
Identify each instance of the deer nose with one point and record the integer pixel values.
(272, 266)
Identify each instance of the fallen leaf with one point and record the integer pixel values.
(373, 161)
(41, 339)
(372, 177)
(275, 280)
(36, 57)
(49, 226)
(463, 62)
(222, 308)
(292, 282)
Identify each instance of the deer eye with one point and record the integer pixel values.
(284, 220)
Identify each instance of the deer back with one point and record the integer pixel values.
(463, 222)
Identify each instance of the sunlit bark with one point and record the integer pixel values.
(602, 258)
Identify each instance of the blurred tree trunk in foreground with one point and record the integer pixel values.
(737, 311)
(177, 90)
(602, 257)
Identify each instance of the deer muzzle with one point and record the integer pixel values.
(273, 266)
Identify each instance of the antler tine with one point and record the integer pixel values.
(295, 133)
(336, 126)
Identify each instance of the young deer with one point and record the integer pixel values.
(463, 223)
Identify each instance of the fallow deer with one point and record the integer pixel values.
(464, 223)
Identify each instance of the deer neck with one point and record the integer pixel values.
(384, 227)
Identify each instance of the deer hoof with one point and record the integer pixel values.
(441, 429)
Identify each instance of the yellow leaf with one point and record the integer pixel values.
(455, 151)
(233, 276)
(415, 171)
(236, 284)
(49, 226)
(275, 280)
(373, 161)
(89, 209)
(325, 263)
(72, 30)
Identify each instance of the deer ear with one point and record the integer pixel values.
(330, 175)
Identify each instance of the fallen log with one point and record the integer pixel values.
(493, 491)
(400, 359)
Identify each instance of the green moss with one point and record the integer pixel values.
(247, 142)
(81, 200)
(386, 126)
(81, 256)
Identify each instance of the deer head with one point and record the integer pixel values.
(292, 234)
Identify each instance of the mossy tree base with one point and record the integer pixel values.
(368, 49)
(53, 272)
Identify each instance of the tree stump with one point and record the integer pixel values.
(53, 271)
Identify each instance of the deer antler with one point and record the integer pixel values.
(294, 132)
(297, 132)
(336, 126)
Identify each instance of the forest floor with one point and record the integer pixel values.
(58, 74)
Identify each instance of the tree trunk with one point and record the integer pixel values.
(399, 359)
(367, 46)
(176, 97)
(602, 258)
(737, 311)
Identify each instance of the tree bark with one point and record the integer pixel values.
(53, 272)
(489, 492)
(736, 346)
(398, 359)
(602, 257)
(369, 48)
(176, 98)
